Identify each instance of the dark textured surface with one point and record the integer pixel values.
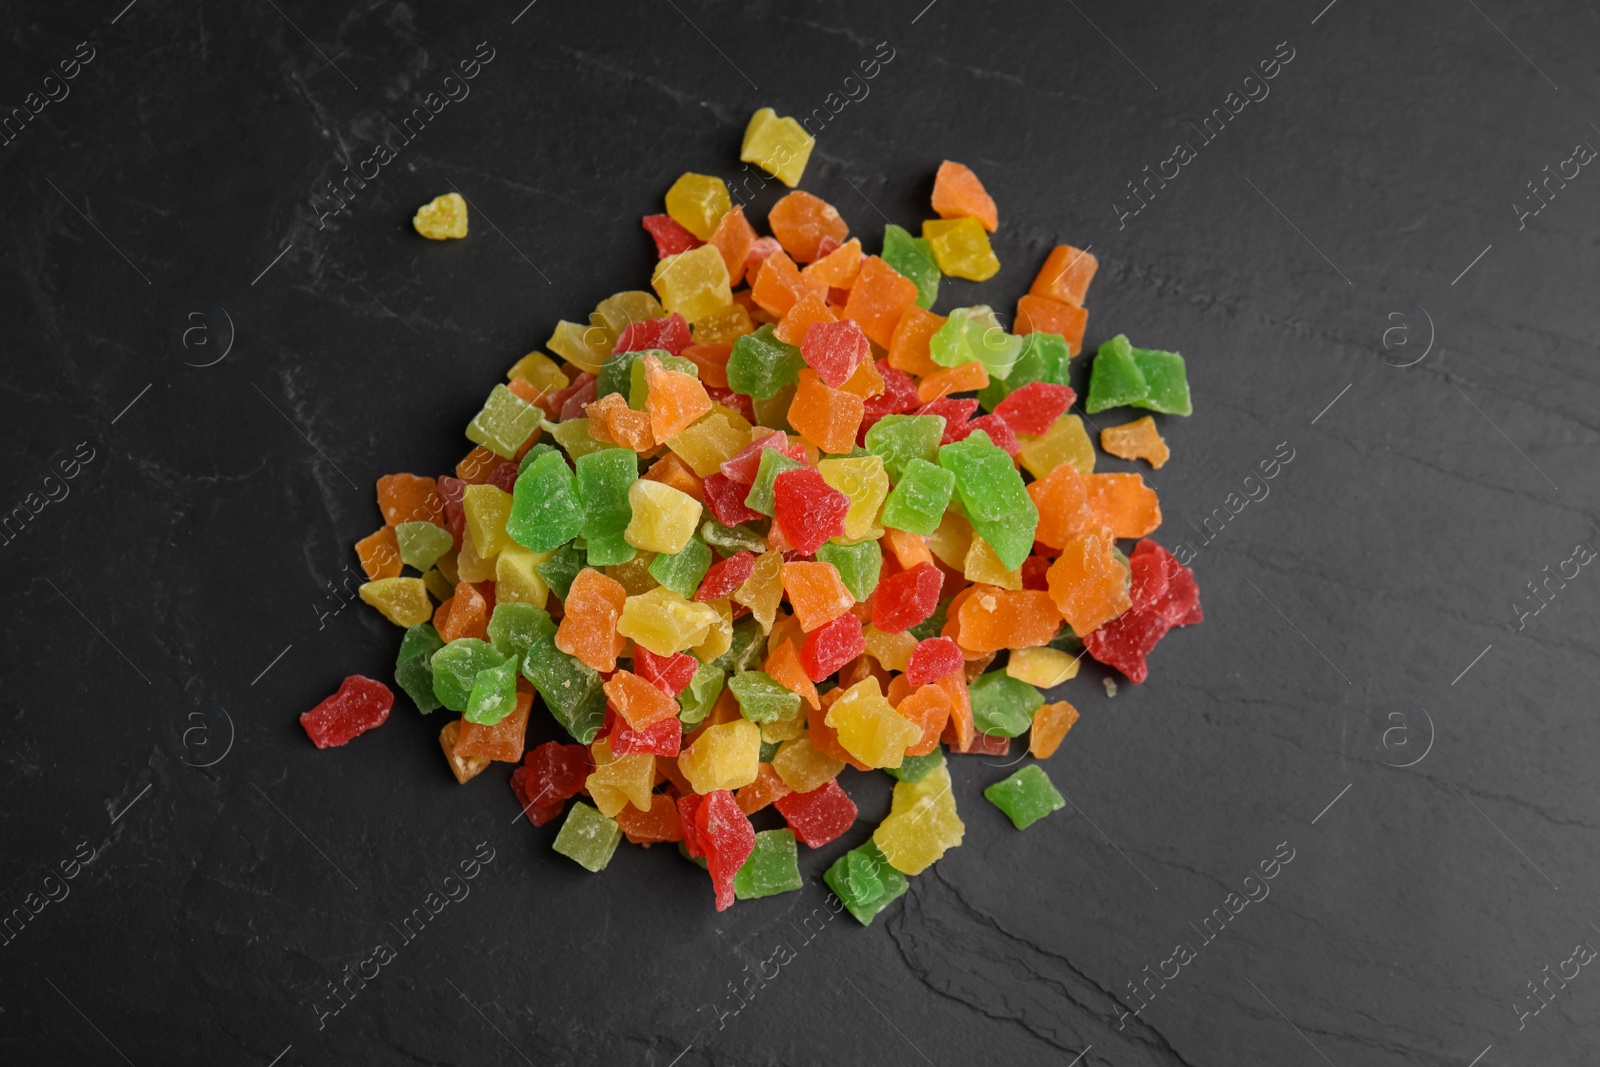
(200, 542)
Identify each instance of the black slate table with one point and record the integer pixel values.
(1376, 260)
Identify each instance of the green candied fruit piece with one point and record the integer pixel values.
(1002, 706)
(933, 624)
(573, 435)
(1167, 379)
(546, 511)
(494, 694)
(858, 565)
(616, 373)
(773, 463)
(681, 571)
(515, 626)
(760, 365)
(413, 669)
(422, 543)
(899, 439)
(559, 570)
(534, 453)
(731, 539)
(912, 258)
(603, 481)
(1046, 357)
(761, 699)
(505, 422)
(748, 645)
(638, 392)
(1115, 379)
(456, 667)
(918, 500)
(588, 838)
(915, 768)
(989, 488)
(701, 692)
(1026, 797)
(698, 861)
(864, 882)
(571, 690)
(769, 749)
(974, 334)
(772, 867)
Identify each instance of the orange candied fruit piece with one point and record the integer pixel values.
(1043, 315)
(994, 618)
(733, 237)
(784, 667)
(1124, 503)
(379, 554)
(711, 358)
(504, 740)
(1138, 439)
(778, 285)
(1066, 275)
(828, 418)
(961, 730)
(1062, 497)
(929, 709)
(957, 193)
(878, 299)
(611, 419)
(407, 498)
(660, 823)
(962, 378)
(763, 791)
(1087, 583)
(477, 466)
(864, 381)
(671, 470)
(816, 593)
(641, 703)
(800, 221)
(839, 267)
(1050, 725)
(908, 347)
(908, 549)
(809, 310)
(674, 400)
(466, 614)
(589, 621)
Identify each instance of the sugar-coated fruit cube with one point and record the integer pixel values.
(442, 218)
(829, 647)
(669, 235)
(550, 775)
(922, 823)
(957, 193)
(665, 622)
(1115, 378)
(403, 601)
(1087, 582)
(1050, 725)
(991, 491)
(465, 768)
(761, 699)
(493, 695)
(865, 882)
(834, 350)
(500, 741)
(617, 781)
(773, 867)
(905, 599)
(588, 838)
(694, 284)
(1026, 796)
(918, 501)
(802, 222)
(779, 146)
(1042, 667)
(913, 258)
(571, 689)
(663, 518)
(868, 726)
(807, 509)
(413, 668)
(420, 544)
(546, 511)
(715, 828)
(1066, 275)
(456, 667)
(819, 816)
(358, 705)
(858, 564)
(961, 248)
(816, 593)
(697, 202)
(826, 417)
(1003, 706)
(1138, 439)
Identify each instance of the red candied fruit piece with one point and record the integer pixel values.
(724, 836)
(730, 399)
(669, 334)
(760, 249)
(670, 236)
(359, 705)
(503, 475)
(1126, 641)
(834, 350)
(831, 646)
(932, 659)
(827, 243)
(548, 777)
(744, 464)
(583, 393)
(989, 745)
(1164, 595)
(1033, 573)
(670, 674)
(808, 508)
(899, 396)
(723, 577)
(658, 739)
(725, 499)
(819, 816)
(998, 430)
(905, 599)
(1035, 407)
(453, 491)
(956, 412)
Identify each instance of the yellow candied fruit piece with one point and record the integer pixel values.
(720, 637)
(447, 566)
(868, 726)
(802, 767)
(634, 576)
(763, 590)
(922, 823)
(783, 729)
(983, 565)
(729, 324)
(892, 651)
(403, 601)
(440, 586)
(585, 347)
(779, 146)
(618, 781)
(471, 567)
(961, 248)
(666, 623)
(442, 218)
(664, 518)
(740, 424)
(539, 371)
(1064, 442)
(694, 283)
(697, 202)
(1042, 667)
(517, 577)
(866, 483)
(486, 508)
(726, 756)
(708, 442)
(573, 435)
(951, 542)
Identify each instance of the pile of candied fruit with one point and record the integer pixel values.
(750, 528)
